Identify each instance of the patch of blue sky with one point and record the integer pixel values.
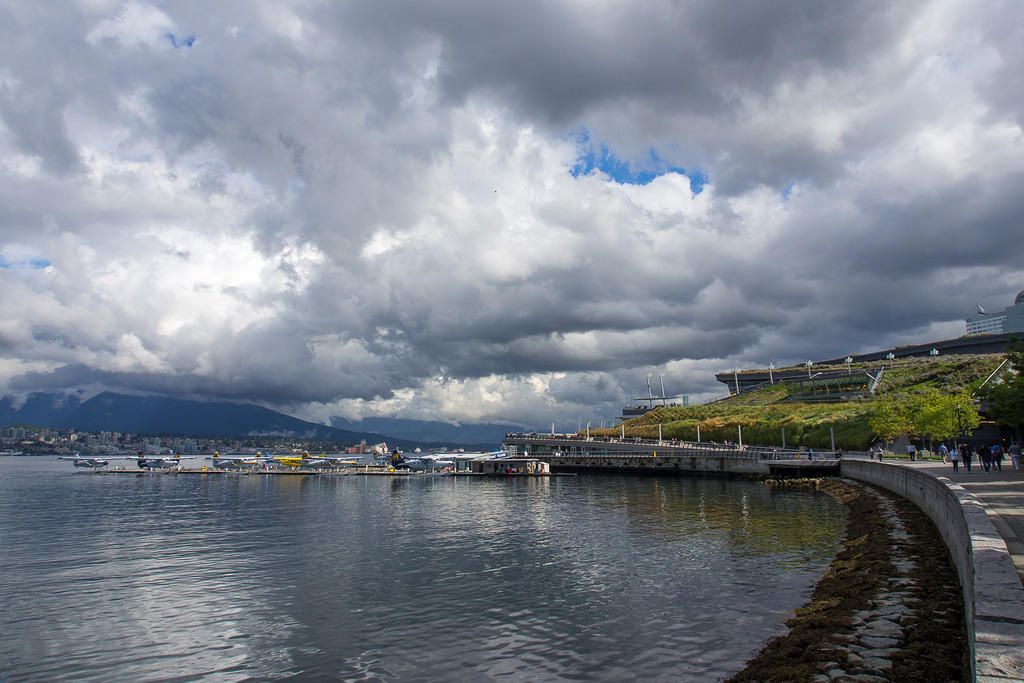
(639, 172)
(184, 41)
(787, 191)
(33, 264)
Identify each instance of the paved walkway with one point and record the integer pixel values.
(1002, 494)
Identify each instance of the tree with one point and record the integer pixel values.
(892, 416)
(964, 413)
(1005, 400)
(928, 413)
(946, 416)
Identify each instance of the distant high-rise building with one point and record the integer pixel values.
(1007, 320)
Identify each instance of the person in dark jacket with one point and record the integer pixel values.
(997, 457)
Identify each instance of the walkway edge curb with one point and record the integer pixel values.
(992, 592)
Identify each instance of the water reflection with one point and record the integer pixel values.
(227, 577)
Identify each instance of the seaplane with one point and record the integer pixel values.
(238, 462)
(400, 462)
(437, 461)
(306, 461)
(159, 462)
(432, 462)
(339, 461)
(91, 463)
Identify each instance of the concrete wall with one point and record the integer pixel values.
(993, 596)
(691, 464)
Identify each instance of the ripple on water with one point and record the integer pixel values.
(365, 578)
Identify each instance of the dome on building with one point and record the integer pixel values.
(1019, 299)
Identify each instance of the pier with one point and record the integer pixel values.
(256, 472)
(580, 454)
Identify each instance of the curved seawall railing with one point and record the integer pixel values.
(992, 592)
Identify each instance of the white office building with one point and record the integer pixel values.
(1007, 320)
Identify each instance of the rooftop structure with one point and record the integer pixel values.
(1007, 320)
(746, 380)
(652, 401)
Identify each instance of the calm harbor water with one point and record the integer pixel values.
(230, 578)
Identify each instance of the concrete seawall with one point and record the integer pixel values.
(992, 592)
(716, 465)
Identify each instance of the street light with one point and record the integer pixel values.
(889, 356)
(849, 359)
(771, 379)
(736, 379)
(809, 364)
(933, 352)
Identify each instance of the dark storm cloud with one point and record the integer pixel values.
(559, 60)
(333, 206)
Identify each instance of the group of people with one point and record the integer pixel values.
(990, 458)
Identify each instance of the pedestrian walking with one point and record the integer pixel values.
(997, 457)
(984, 456)
(955, 458)
(965, 454)
(1015, 455)
(944, 452)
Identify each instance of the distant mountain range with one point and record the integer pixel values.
(160, 415)
(485, 434)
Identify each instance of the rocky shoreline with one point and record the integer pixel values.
(889, 607)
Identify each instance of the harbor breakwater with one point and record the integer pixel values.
(993, 598)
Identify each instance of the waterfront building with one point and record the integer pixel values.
(510, 466)
(1009, 319)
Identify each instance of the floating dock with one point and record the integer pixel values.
(369, 471)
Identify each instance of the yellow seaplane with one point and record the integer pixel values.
(305, 460)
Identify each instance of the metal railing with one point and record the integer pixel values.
(581, 446)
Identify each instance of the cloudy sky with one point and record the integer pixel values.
(504, 211)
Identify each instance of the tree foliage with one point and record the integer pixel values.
(1006, 399)
(946, 416)
(927, 413)
(893, 416)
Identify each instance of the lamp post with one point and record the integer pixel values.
(933, 352)
(849, 359)
(889, 357)
(771, 378)
(736, 379)
(809, 364)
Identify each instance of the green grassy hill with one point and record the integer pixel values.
(808, 410)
